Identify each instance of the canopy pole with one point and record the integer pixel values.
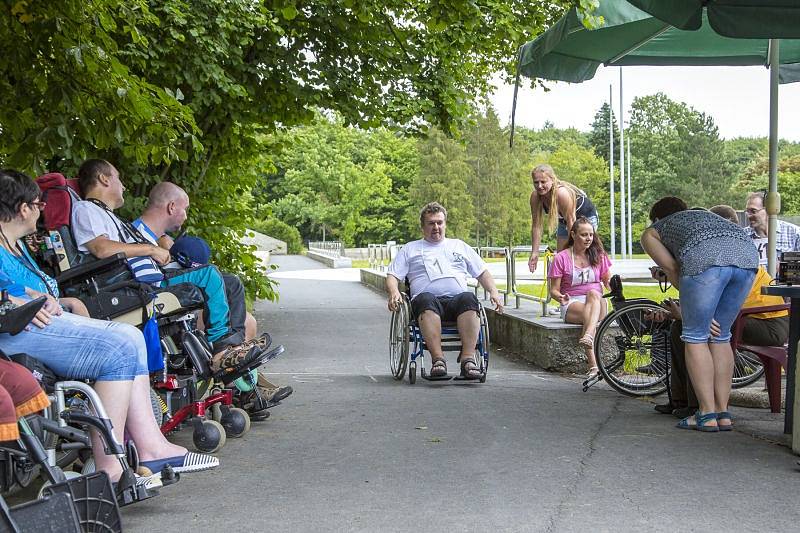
(630, 201)
(773, 199)
(611, 170)
(514, 102)
(623, 226)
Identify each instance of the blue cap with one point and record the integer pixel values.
(191, 251)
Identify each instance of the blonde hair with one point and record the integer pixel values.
(552, 216)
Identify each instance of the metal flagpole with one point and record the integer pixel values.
(611, 170)
(630, 201)
(623, 226)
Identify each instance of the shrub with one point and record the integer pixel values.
(278, 229)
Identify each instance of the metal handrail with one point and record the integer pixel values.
(512, 281)
(483, 251)
(331, 248)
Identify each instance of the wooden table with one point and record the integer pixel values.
(791, 423)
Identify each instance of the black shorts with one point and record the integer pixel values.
(447, 307)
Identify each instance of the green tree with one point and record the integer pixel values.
(599, 139)
(756, 177)
(186, 91)
(443, 177)
(498, 182)
(677, 151)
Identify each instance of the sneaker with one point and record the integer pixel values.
(277, 394)
(664, 408)
(234, 357)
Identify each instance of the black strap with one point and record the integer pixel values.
(130, 231)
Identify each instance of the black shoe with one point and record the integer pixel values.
(646, 369)
(665, 408)
(683, 412)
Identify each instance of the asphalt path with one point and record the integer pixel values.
(355, 450)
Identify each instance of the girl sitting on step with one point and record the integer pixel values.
(576, 276)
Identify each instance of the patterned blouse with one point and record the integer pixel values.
(699, 240)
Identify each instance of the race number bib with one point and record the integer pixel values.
(761, 246)
(437, 264)
(582, 276)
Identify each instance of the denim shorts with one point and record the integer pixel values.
(716, 293)
(77, 347)
(562, 230)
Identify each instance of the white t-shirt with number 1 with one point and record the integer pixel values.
(439, 268)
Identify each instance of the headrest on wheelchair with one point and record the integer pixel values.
(59, 193)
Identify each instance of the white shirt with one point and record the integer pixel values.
(440, 269)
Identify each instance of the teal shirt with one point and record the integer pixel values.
(25, 272)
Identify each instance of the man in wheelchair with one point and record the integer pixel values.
(97, 230)
(436, 268)
(112, 354)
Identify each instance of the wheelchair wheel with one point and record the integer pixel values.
(158, 406)
(412, 373)
(398, 339)
(236, 422)
(484, 356)
(747, 369)
(209, 436)
(632, 349)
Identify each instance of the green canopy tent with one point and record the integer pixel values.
(675, 33)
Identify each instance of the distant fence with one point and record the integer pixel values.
(380, 255)
(329, 248)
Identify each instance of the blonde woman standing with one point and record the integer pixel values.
(562, 202)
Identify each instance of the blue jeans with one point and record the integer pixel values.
(77, 347)
(563, 231)
(716, 293)
(217, 313)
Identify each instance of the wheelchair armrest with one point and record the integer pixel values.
(89, 269)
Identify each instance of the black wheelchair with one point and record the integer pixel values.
(405, 337)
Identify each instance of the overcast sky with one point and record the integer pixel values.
(736, 97)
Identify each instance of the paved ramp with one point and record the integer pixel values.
(354, 450)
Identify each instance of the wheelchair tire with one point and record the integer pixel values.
(236, 422)
(156, 405)
(412, 373)
(209, 436)
(632, 350)
(486, 342)
(398, 339)
(747, 369)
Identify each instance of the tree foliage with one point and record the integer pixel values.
(599, 138)
(188, 91)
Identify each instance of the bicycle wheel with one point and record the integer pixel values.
(747, 369)
(398, 339)
(632, 349)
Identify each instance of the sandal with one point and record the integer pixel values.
(469, 368)
(725, 415)
(587, 341)
(701, 421)
(438, 368)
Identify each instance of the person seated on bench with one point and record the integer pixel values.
(437, 270)
(99, 231)
(577, 275)
(762, 329)
(76, 347)
(712, 262)
(165, 212)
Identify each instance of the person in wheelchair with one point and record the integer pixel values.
(437, 269)
(112, 354)
(97, 230)
(165, 212)
(20, 395)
